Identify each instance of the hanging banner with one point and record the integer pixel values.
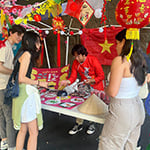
(86, 13)
(53, 76)
(98, 46)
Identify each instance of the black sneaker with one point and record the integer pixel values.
(91, 129)
(76, 129)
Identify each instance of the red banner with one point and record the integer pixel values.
(53, 76)
(97, 45)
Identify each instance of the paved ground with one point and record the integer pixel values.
(54, 135)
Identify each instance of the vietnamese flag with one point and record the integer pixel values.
(99, 46)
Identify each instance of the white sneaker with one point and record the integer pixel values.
(76, 129)
(4, 145)
(138, 148)
(91, 129)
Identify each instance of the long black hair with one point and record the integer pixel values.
(138, 63)
(29, 41)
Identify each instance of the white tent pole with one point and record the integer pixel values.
(46, 53)
(67, 45)
(67, 49)
(45, 25)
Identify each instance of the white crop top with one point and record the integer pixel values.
(129, 88)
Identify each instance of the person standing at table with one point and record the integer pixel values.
(26, 110)
(91, 72)
(7, 133)
(122, 126)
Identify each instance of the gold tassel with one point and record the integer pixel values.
(132, 34)
(130, 53)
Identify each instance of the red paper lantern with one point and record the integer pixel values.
(37, 17)
(133, 13)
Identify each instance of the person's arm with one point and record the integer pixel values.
(148, 77)
(116, 75)
(24, 64)
(4, 70)
(73, 75)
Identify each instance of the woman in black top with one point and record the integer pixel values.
(26, 110)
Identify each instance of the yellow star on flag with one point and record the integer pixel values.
(106, 46)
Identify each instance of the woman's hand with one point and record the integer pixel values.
(43, 84)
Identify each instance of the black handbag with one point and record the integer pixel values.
(12, 88)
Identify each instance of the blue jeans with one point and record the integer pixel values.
(6, 123)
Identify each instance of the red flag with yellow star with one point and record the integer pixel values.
(97, 45)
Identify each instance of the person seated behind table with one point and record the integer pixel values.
(90, 70)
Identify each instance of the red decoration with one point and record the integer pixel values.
(133, 13)
(73, 7)
(2, 43)
(40, 31)
(86, 12)
(148, 49)
(37, 17)
(55, 32)
(58, 24)
(104, 18)
(58, 50)
(71, 33)
(4, 32)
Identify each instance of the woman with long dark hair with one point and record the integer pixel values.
(122, 126)
(26, 111)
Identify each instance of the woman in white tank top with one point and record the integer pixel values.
(122, 126)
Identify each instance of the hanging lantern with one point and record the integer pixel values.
(37, 17)
(133, 14)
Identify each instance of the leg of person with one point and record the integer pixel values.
(77, 127)
(91, 128)
(4, 144)
(117, 126)
(135, 133)
(11, 132)
(21, 136)
(33, 134)
(133, 139)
